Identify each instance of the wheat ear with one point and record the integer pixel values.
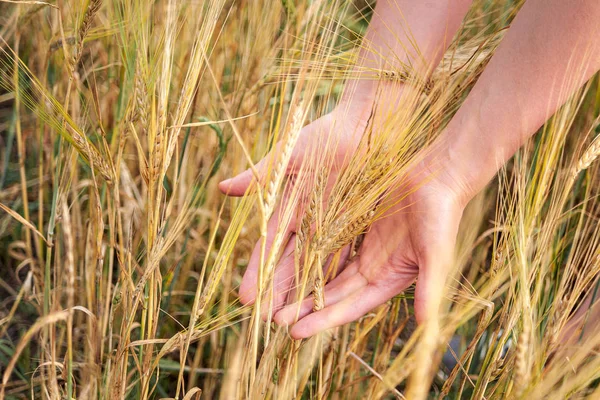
(90, 152)
(521, 359)
(141, 99)
(84, 28)
(311, 211)
(318, 293)
(592, 152)
(282, 163)
(342, 232)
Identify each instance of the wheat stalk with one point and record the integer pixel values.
(70, 289)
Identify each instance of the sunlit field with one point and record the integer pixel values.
(121, 259)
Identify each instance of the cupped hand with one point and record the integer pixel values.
(344, 134)
(414, 240)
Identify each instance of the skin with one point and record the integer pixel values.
(550, 50)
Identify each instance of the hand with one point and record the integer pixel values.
(414, 239)
(349, 129)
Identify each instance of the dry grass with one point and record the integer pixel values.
(120, 261)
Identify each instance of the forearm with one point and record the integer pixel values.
(551, 49)
(405, 33)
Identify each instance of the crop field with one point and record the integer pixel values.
(123, 243)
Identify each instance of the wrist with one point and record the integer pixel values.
(468, 154)
(376, 98)
(358, 94)
(452, 169)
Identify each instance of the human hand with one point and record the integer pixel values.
(344, 135)
(413, 238)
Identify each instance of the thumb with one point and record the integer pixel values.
(430, 288)
(239, 184)
(428, 297)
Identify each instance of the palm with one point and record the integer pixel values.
(414, 239)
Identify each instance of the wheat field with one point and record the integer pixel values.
(121, 259)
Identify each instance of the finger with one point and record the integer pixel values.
(429, 290)
(333, 267)
(282, 280)
(249, 285)
(341, 287)
(347, 310)
(336, 262)
(347, 272)
(239, 184)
